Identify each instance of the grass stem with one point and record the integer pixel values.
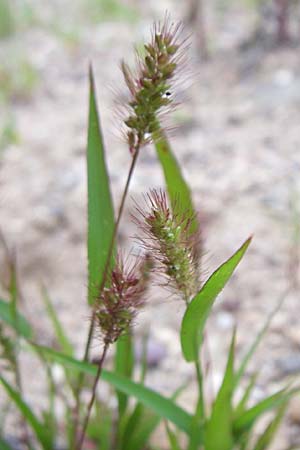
(105, 274)
(92, 399)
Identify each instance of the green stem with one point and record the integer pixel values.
(199, 416)
(201, 390)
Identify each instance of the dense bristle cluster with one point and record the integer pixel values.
(118, 304)
(170, 240)
(150, 90)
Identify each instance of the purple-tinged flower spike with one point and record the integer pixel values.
(151, 87)
(118, 304)
(169, 239)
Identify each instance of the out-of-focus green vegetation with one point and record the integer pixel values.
(98, 10)
(8, 134)
(16, 16)
(6, 19)
(18, 78)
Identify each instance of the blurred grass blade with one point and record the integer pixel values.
(266, 438)
(40, 430)
(142, 422)
(7, 19)
(4, 445)
(140, 426)
(173, 441)
(198, 310)
(257, 341)
(13, 287)
(241, 406)
(247, 419)
(162, 406)
(100, 206)
(131, 425)
(21, 326)
(178, 190)
(62, 339)
(100, 426)
(124, 360)
(221, 415)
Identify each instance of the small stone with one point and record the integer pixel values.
(156, 352)
(289, 365)
(225, 320)
(283, 78)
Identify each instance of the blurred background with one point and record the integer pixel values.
(236, 136)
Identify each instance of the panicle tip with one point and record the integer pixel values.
(151, 87)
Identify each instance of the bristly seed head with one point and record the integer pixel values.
(151, 86)
(117, 305)
(170, 240)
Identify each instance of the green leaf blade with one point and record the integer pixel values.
(4, 445)
(173, 441)
(178, 190)
(267, 437)
(198, 310)
(221, 416)
(246, 420)
(15, 320)
(62, 338)
(40, 431)
(241, 406)
(100, 205)
(160, 405)
(124, 360)
(140, 426)
(258, 340)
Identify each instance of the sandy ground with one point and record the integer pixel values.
(237, 139)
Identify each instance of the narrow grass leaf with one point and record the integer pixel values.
(130, 426)
(62, 338)
(173, 441)
(162, 406)
(267, 437)
(124, 361)
(248, 418)
(257, 341)
(100, 206)
(21, 325)
(197, 312)
(13, 290)
(221, 415)
(141, 425)
(241, 406)
(178, 189)
(38, 427)
(198, 418)
(4, 445)
(101, 426)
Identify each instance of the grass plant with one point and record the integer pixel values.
(171, 248)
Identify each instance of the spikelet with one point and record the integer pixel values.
(169, 239)
(118, 303)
